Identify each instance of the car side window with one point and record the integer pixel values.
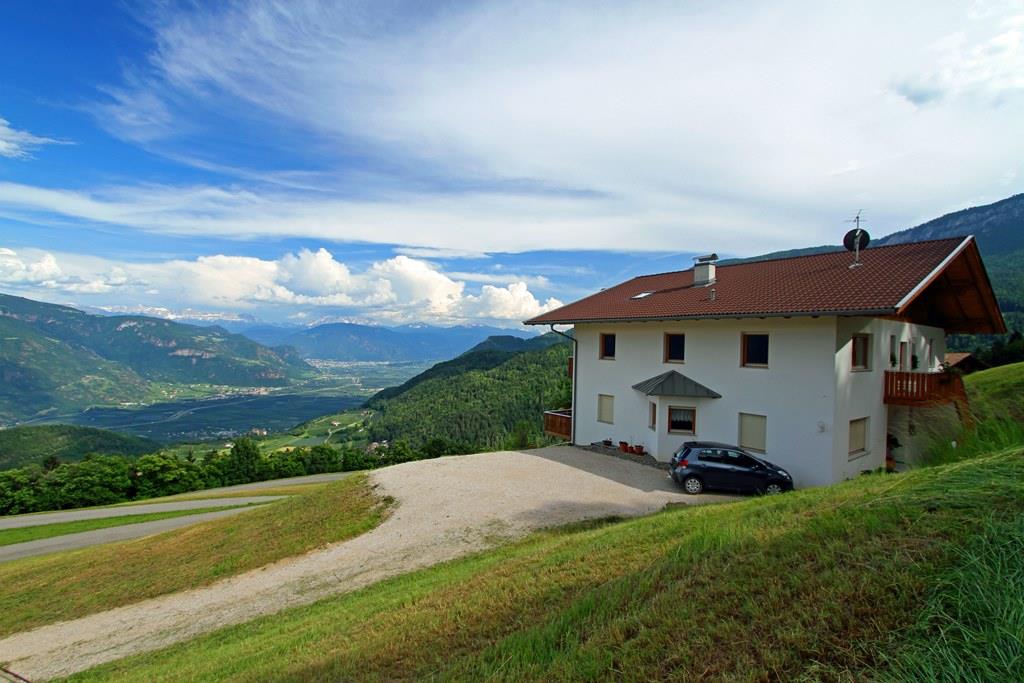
(744, 460)
(708, 455)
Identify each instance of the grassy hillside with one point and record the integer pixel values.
(998, 393)
(24, 445)
(858, 581)
(471, 402)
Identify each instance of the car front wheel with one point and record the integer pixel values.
(693, 485)
(772, 489)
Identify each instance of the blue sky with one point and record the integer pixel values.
(475, 162)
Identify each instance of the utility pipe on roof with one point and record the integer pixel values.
(575, 369)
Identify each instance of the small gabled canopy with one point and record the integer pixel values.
(672, 383)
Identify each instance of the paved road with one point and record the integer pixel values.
(446, 508)
(22, 521)
(84, 539)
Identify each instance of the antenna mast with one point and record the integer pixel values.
(857, 232)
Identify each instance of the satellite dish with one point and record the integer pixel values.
(856, 239)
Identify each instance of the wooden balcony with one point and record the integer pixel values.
(558, 423)
(923, 388)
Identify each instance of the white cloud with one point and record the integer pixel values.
(18, 144)
(314, 273)
(16, 270)
(513, 302)
(399, 289)
(989, 65)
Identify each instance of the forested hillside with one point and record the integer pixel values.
(38, 373)
(26, 445)
(489, 353)
(477, 407)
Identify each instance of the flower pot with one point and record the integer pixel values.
(639, 450)
(607, 443)
(624, 446)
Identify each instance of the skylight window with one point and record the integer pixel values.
(641, 295)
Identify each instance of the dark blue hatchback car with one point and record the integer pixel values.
(700, 465)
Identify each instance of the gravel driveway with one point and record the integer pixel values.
(446, 508)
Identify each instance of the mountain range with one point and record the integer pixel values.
(56, 357)
(354, 342)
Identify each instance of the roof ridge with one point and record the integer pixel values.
(752, 260)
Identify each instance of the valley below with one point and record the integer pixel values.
(336, 387)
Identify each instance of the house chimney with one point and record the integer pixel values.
(704, 270)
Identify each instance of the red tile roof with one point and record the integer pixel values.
(804, 285)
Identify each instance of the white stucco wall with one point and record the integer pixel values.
(860, 393)
(796, 391)
(809, 392)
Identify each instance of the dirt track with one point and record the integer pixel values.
(446, 508)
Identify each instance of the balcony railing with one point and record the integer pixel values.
(558, 423)
(920, 388)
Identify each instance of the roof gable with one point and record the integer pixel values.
(674, 383)
(888, 281)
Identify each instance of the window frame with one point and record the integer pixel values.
(739, 432)
(743, 350)
(668, 425)
(865, 450)
(600, 345)
(665, 348)
(854, 338)
(612, 398)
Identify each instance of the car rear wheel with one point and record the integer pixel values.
(772, 489)
(693, 485)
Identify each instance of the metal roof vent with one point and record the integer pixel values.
(704, 270)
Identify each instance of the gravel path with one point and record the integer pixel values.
(39, 519)
(446, 508)
(84, 539)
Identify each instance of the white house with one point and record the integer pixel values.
(813, 361)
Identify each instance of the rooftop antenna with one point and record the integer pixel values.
(856, 239)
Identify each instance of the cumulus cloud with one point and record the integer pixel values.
(514, 302)
(18, 144)
(14, 269)
(398, 289)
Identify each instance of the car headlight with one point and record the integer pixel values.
(785, 474)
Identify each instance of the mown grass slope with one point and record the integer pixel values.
(997, 393)
(50, 588)
(839, 583)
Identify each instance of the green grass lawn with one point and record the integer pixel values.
(850, 582)
(42, 590)
(41, 531)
